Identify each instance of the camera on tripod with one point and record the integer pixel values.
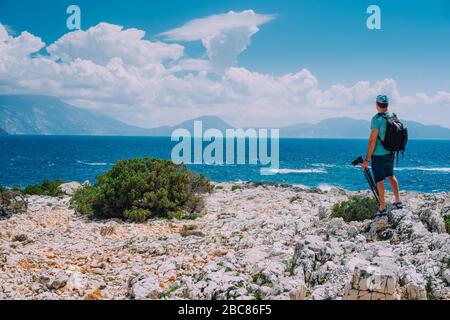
(368, 177)
(358, 161)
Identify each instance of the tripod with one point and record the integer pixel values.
(369, 178)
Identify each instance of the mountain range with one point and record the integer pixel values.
(43, 115)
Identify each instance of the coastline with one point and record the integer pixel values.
(263, 241)
(321, 188)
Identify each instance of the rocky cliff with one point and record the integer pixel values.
(260, 242)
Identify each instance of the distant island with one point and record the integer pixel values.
(43, 115)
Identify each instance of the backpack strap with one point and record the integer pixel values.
(382, 115)
(398, 155)
(381, 141)
(386, 117)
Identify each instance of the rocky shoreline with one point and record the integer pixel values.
(258, 242)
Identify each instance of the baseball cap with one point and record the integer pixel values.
(383, 99)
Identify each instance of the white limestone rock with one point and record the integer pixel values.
(145, 287)
(69, 188)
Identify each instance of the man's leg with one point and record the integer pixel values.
(394, 187)
(380, 188)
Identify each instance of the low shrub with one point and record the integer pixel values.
(83, 199)
(429, 288)
(11, 202)
(46, 188)
(137, 214)
(260, 278)
(236, 187)
(447, 222)
(358, 208)
(168, 293)
(138, 189)
(179, 215)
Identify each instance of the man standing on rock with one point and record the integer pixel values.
(382, 159)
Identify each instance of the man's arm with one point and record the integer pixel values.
(371, 147)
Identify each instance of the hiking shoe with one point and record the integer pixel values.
(380, 213)
(397, 205)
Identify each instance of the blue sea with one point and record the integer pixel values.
(319, 163)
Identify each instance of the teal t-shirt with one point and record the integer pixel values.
(380, 124)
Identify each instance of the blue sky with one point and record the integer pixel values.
(328, 38)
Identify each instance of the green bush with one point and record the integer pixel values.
(47, 188)
(447, 222)
(179, 215)
(429, 288)
(11, 202)
(236, 187)
(138, 189)
(358, 208)
(83, 199)
(137, 214)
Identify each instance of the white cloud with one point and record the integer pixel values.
(9, 30)
(117, 72)
(224, 36)
(191, 65)
(200, 29)
(18, 47)
(106, 41)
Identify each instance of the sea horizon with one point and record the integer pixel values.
(321, 163)
(144, 136)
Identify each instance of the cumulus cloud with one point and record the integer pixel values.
(191, 65)
(224, 36)
(119, 73)
(18, 47)
(105, 41)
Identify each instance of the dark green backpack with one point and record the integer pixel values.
(396, 137)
